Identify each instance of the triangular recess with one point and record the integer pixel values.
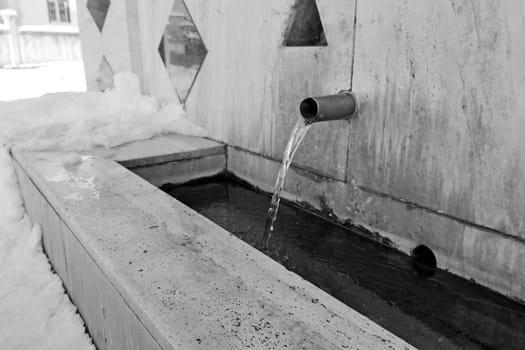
(98, 9)
(182, 50)
(105, 75)
(305, 27)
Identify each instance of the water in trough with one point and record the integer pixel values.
(429, 310)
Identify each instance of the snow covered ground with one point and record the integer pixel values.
(34, 81)
(35, 312)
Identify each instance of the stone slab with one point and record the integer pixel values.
(164, 149)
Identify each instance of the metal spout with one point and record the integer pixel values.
(344, 105)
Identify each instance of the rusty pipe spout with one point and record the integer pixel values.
(343, 105)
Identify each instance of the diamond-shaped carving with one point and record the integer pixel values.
(105, 75)
(98, 10)
(182, 50)
(305, 27)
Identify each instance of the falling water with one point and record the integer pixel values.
(296, 137)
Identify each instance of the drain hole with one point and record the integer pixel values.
(424, 260)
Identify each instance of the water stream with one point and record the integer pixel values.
(296, 137)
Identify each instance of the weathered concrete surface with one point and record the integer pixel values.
(171, 159)
(181, 171)
(111, 323)
(445, 120)
(315, 71)
(164, 149)
(148, 272)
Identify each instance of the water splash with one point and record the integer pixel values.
(296, 137)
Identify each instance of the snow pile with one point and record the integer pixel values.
(78, 121)
(35, 313)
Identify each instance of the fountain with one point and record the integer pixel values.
(343, 105)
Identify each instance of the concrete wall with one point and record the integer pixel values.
(435, 156)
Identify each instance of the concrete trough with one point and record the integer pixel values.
(147, 272)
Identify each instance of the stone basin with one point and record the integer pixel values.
(147, 272)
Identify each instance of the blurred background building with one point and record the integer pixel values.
(36, 31)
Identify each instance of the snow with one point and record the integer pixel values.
(80, 121)
(35, 312)
(36, 80)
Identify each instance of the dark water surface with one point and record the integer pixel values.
(438, 312)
